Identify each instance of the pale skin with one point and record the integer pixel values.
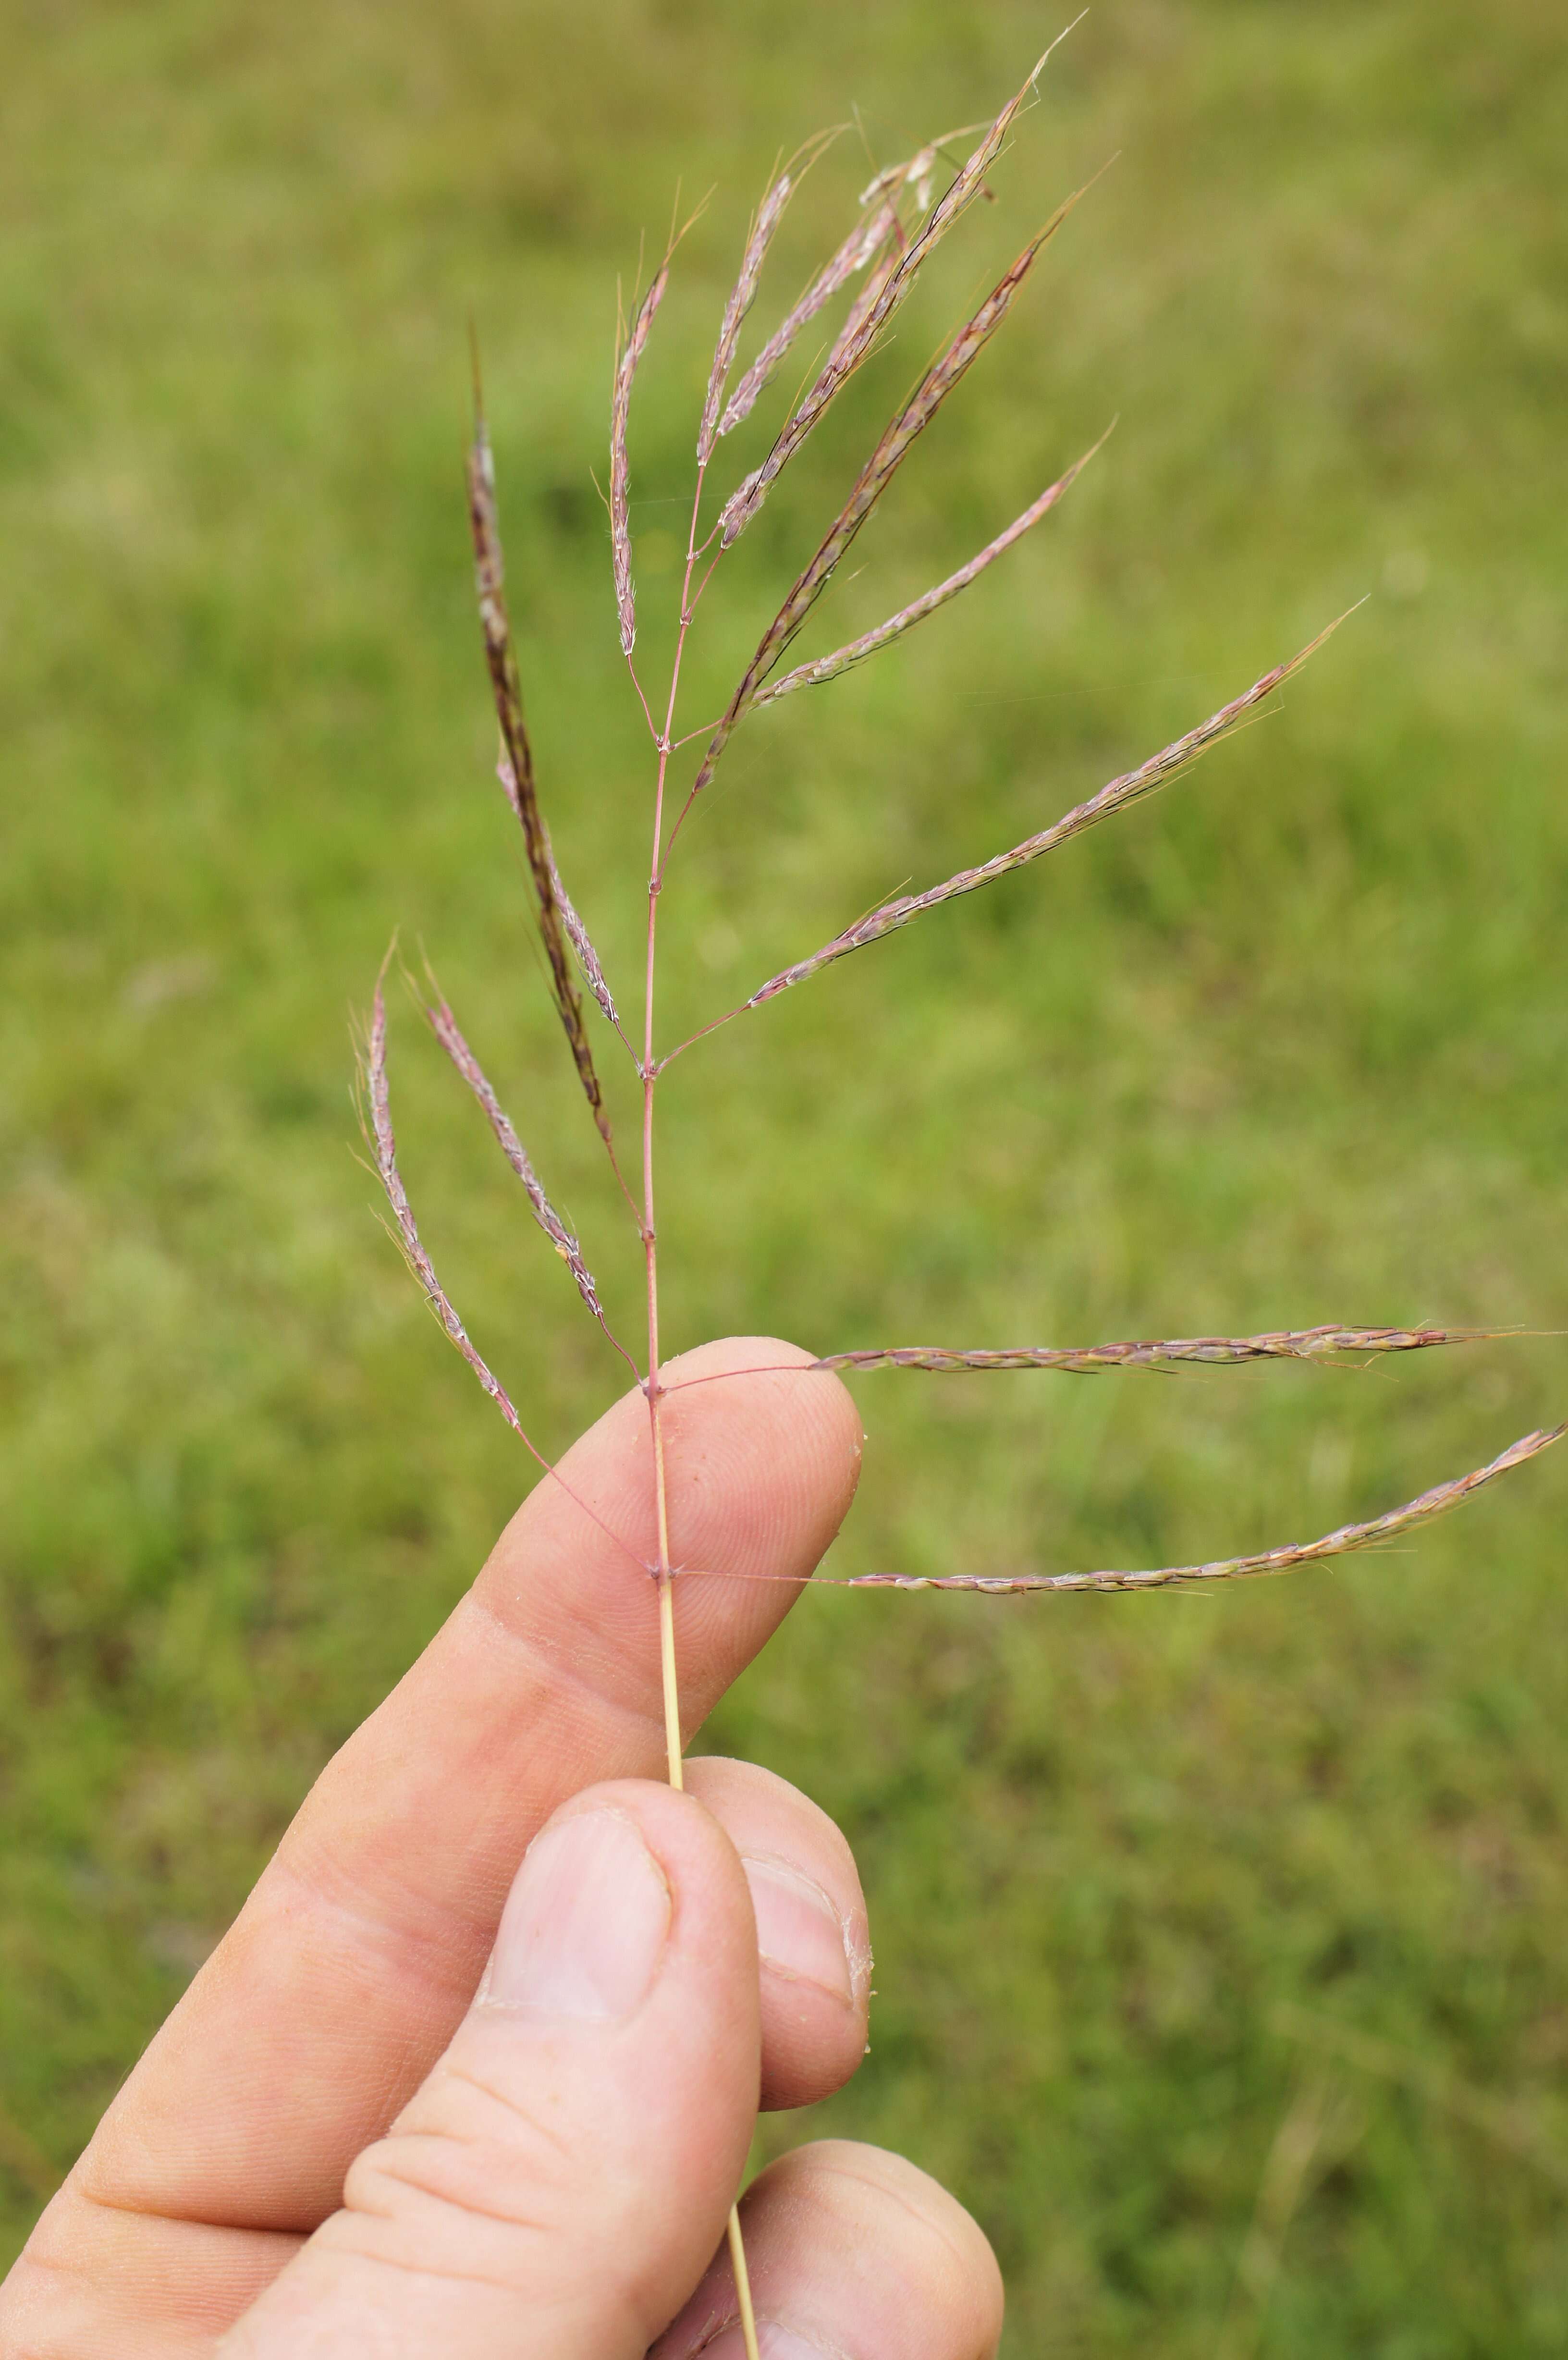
(344, 2142)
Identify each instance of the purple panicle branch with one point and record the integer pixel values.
(587, 956)
(1116, 796)
(522, 790)
(384, 1147)
(1283, 1344)
(1435, 1503)
(870, 295)
(576, 931)
(851, 350)
(913, 179)
(742, 296)
(620, 472)
(1327, 1344)
(860, 247)
(896, 443)
(443, 1024)
(878, 227)
(856, 650)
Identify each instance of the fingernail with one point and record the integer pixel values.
(585, 1925)
(773, 2342)
(798, 1929)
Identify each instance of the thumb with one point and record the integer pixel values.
(560, 2182)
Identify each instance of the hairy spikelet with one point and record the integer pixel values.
(587, 956)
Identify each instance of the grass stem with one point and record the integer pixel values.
(669, 1680)
(743, 2284)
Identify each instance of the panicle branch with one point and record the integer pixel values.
(825, 668)
(376, 1118)
(1283, 1344)
(1116, 796)
(742, 296)
(898, 440)
(1435, 1503)
(916, 176)
(620, 471)
(879, 226)
(443, 1024)
(576, 931)
(518, 775)
(384, 1147)
(870, 295)
(853, 348)
(862, 245)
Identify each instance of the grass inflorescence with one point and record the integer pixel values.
(898, 220)
(1288, 1043)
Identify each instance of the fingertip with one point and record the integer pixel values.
(851, 2250)
(946, 2254)
(812, 1938)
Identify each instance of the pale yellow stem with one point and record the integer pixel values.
(667, 1680)
(677, 1780)
(743, 2284)
(667, 1663)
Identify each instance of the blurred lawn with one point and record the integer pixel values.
(1288, 1046)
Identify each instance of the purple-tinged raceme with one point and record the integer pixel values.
(1435, 1503)
(518, 775)
(587, 956)
(620, 472)
(576, 931)
(1282, 1344)
(849, 353)
(384, 1146)
(823, 668)
(770, 213)
(894, 448)
(1117, 795)
(878, 227)
(862, 246)
(376, 1120)
(443, 1024)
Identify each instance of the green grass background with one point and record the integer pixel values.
(1287, 1046)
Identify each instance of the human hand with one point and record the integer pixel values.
(343, 2141)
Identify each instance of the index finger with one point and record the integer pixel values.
(349, 1966)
